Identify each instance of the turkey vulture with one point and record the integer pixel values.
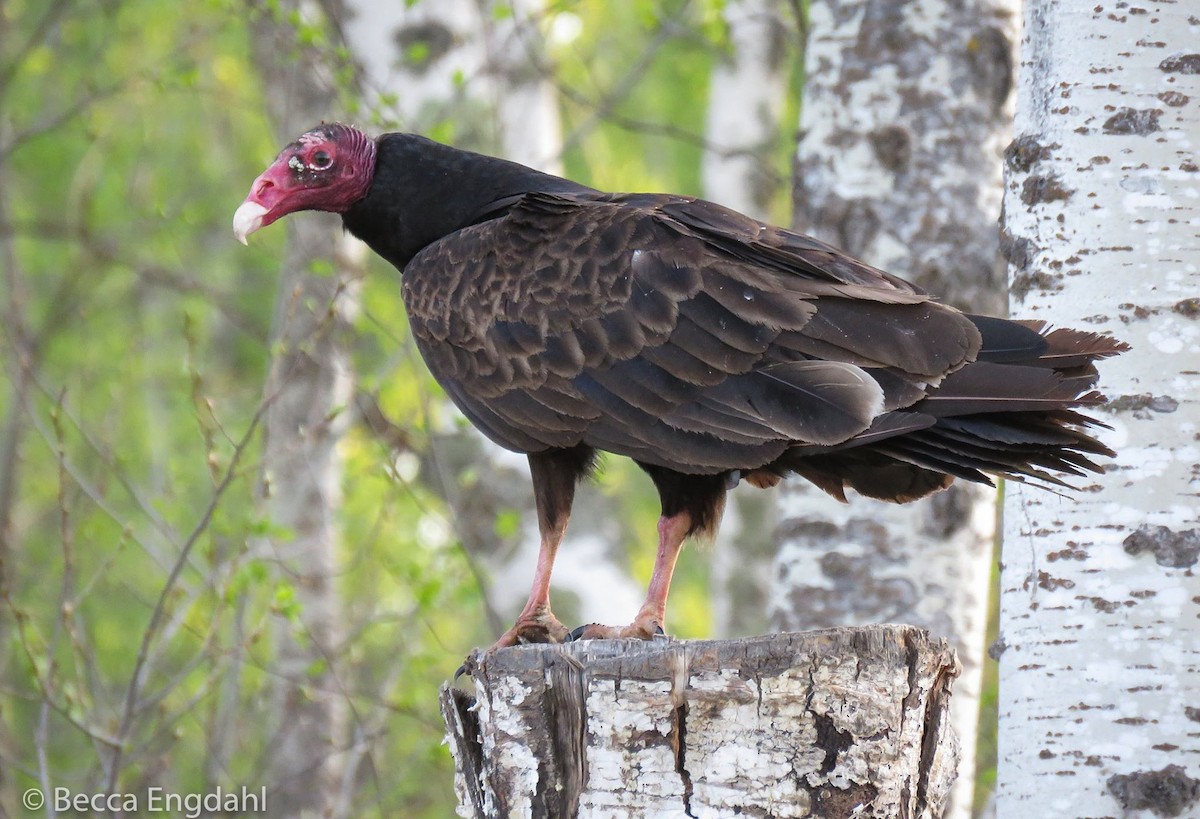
(708, 347)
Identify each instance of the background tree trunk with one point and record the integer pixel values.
(310, 385)
(1099, 594)
(840, 723)
(904, 120)
(742, 134)
(745, 101)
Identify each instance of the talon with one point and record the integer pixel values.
(637, 630)
(469, 666)
(540, 627)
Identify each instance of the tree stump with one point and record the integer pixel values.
(848, 722)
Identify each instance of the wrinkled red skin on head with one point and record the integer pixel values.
(329, 168)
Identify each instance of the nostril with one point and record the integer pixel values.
(263, 186)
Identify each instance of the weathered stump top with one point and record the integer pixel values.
(833, 723)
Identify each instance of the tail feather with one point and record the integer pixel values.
(1015, 412)
(1066, 348)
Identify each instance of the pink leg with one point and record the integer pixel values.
(651, 619)
(554, 476)
(536, 623)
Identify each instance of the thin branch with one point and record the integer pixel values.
(136, 679)
(60, 119)
(44, 687)
(8, 72)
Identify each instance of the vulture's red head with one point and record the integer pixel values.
(329, 168)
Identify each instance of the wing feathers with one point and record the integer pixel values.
(819, 402)
(688, 336)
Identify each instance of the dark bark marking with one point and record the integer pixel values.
(1048, 188)
(1024, 152)
(858, 226)
(1192, 713)
(935, 710)
(567, 726)
(1188, 307)
(1050, 583)
(423, 44)
(1106, 606)
(1165, 793)
(1174, 99)
(458, 709)
(1181, 64)
(1140, 403)
(997, 648)
(1175, 550)
(1022, 283)
(893, 147)
(679, 739)
(832, 740)
(1017, 250)
(830, 802)
(950, 511)
(1139, 311)
(990, 57)
(1134, 121)
(1069, 553)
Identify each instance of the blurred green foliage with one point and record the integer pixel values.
(135, 351)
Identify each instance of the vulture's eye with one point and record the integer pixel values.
(321, 159)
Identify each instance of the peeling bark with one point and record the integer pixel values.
(904, 122)
(1099, 594)
(839, 723)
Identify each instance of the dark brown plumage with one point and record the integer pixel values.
(705, 345)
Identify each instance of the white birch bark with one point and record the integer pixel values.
(436, 60)
(525, 101)
(840, 723)
(745, 100)
(904, 121)
(419, 62)
(422, 64)
(1099, 679)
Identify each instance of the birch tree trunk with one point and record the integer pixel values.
(1100, 597)
(841, 723)
(309, 385)
(745, 100)
(904, 121)
(742, 133)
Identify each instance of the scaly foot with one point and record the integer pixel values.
(541, 627)
(643, 628)
(538, 627)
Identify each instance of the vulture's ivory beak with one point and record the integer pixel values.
(247, 219)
